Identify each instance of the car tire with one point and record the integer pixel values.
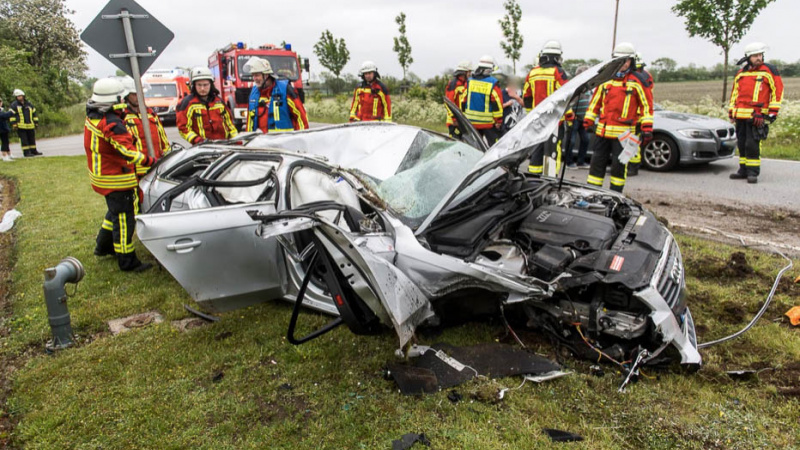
(661, 154)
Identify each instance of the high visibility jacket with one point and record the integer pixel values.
(110, 152)
(160, 141)
(25, 116)
(371, 101)
(756, 90)
(646, 77)
(620, 104)
(482, 102)
(276, 109)
(455, 92)
(199, 121)
(542, 81)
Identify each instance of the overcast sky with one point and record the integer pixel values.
(441, 33)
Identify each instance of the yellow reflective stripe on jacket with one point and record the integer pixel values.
(486, 115)
(387, 115)
(297, 114)
(227, 123)
(134, 156)
(355, 105)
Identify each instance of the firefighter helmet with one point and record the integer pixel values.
(639, 60)
(755, 48)
(463, 66)
(624, 49)
(486, 62)
(201, 73)
(498, 72)
(258, 65)
(368, 66)
(18, 92)
(551, 48)
(130, 86)
(108, 90)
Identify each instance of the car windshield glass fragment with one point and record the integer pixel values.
(161, 90)
(430, 169)
(283, 66)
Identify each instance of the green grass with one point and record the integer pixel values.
(155, 388)
(70, 122)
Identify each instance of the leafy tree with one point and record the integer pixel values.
(41, 27)
(723, 22)
(401, 45)
(332, 52)
(664, 64)
(571, 65)
(510, 26)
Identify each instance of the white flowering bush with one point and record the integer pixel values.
(404, 110)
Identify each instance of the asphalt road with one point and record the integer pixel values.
(778, 186)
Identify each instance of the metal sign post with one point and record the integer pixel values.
(139, 30)
(137, 77)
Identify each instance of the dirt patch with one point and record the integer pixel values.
(8, 363)
(286, 407)
(707, 267)
(754, 223)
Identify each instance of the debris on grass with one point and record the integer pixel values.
(562, 436)
(8, 220)
(188, 323)
(124, 324)
(794, 315)
(408, 440)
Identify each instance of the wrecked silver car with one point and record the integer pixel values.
(387, 225)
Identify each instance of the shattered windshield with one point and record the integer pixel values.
(430, 169)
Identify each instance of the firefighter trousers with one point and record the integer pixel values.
(492, 135)
(602, 150)
(27, 139)
(116, 232)
(552, 147)
(749, 148)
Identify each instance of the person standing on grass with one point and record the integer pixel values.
(5, 128)
(24, 121)
(202, 115)
(756, 98)
(482, 102)
(112, 158)
(454, 91)
(371, 100)
(274, 106)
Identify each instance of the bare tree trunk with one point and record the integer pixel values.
(725, 75)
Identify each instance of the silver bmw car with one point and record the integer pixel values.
(392, 226)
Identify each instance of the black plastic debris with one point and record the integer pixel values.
(454, 396)
(562, 436)
(218, 376)
(408, 440)
(200, 314)
(444, 366)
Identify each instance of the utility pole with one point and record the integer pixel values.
(616, 14)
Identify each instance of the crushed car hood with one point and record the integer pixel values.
(535, 128)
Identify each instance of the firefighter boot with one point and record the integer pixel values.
(27, 153)
(752, 179)
(633, 169)
(738, 176)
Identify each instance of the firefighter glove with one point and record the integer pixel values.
(647, 137)
(771, 118)
(588, 123)
(758, 120)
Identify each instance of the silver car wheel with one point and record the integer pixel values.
(661, 154)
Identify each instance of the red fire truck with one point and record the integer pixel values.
(227, 66)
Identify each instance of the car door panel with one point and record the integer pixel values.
(216, 255)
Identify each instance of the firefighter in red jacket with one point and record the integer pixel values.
(647, 81)
(482, 101)
(274, 106)
(755, 102)
(133, 121)
(202, 115)
(371, 99)
(455, 92)
(543, 80)
(619, 106)
(111, 158)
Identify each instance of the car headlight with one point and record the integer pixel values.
(697, 134)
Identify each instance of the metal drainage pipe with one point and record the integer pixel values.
(69, 270)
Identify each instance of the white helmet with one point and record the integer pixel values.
(201, 73)
(624, 49)
(755, 48)
(258, 65)
(551, 48)
(486, 62)
(18, 92)
(368, 66)
(498, 72)
(463, 66)
(638, 59)
(130, 86)
(108, 90)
